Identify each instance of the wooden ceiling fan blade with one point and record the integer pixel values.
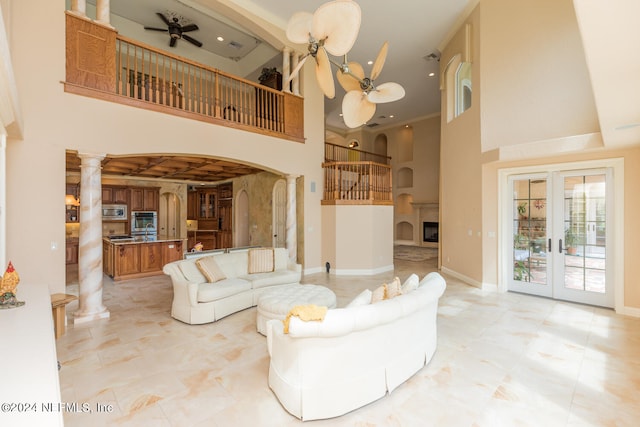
(379, 62)
(337, 23)
(356, 109)
(386, 92)
(297, 69)
(299, 27)
(324, 75)
(349, 82)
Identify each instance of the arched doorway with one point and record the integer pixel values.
(241, 220)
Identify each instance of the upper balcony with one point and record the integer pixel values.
(102, 64)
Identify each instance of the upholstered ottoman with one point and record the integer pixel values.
(276, 303)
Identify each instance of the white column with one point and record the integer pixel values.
(292, 223)
(90, 239)
(79, 7)
(286, 69)
(102, 12)
(295, 83)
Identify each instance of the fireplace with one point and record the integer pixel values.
(430, 231)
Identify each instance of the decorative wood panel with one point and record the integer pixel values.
(293, 115)
(91, 54)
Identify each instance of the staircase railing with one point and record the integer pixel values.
(357, 183)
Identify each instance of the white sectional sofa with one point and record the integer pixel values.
(197, 301)
(323, 369)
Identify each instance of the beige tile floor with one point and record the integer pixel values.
(502, 360)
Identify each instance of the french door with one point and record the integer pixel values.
(560, 242)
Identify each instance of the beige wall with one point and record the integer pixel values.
(363, 239)
(56, 121)
(518, 106)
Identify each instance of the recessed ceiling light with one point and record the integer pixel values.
(220, 39)
(431, 74)
(340, 114)
(391, 116)
(370, 62)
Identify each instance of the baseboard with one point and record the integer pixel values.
(361, 272)
(470, 281)
(629, 311)
(314, 270)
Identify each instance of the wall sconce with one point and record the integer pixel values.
(70, 200)
(353, 143)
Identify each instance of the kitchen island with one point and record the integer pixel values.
(129, 258)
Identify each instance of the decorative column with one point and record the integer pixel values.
(295, 83)
(79, 7)
(286, 69)
(90, 239)
(292, 223)
(102, 12)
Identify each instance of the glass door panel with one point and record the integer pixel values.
(582, 253)
(529, 255)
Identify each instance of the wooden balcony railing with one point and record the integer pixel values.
(362, 183)
(102, 64)
(339, 153)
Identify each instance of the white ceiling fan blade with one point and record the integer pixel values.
(338, 22)
(379, 63)
(324, 75)
(356, 109)
(297, 69)
(386, 92)
(349, 82)
(299, 27)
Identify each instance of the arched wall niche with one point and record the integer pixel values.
(380, 145)
(404, 231)
(405, 178)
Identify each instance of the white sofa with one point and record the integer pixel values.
(355, 355)
(196, 301)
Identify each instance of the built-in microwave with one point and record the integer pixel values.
(114, 212)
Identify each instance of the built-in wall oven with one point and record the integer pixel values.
(144, 223)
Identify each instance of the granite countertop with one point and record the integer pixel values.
(141, 239)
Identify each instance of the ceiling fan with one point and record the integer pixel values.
(333, 29)
(176, 30)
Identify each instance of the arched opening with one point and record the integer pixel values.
(241, 219)
(404, 231)
(405, 178)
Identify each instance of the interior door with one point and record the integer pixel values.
(560, 243)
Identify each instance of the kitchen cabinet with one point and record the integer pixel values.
(207, 203)
(145, 198)
(107, 258)
(150, 257)
(71, 252)
(126, 260)
(139, 259)
(192, 205)
(115, 195)
(171, 251)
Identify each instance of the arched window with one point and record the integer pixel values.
(463, 88)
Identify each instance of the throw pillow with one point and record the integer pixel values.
(261, 260)
(363, 298)
(210, 269)
(393, 289)
(378, 294)
(410, 284)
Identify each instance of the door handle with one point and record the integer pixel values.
(560, 245)
(549, 246)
